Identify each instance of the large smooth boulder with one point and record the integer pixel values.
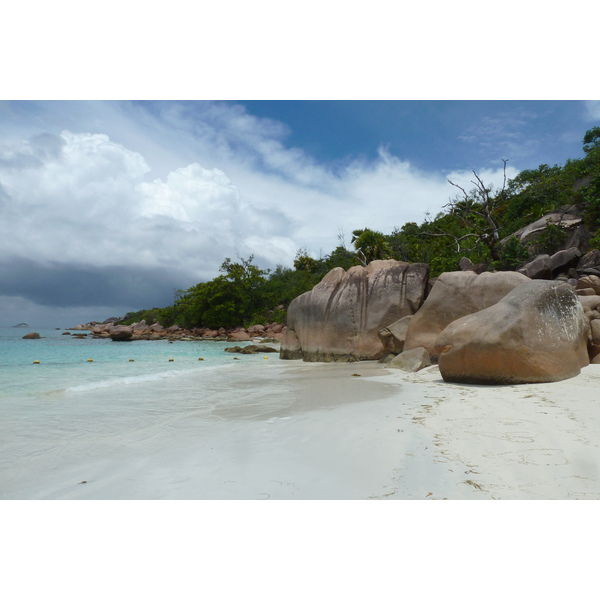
(454, 295)
(537, 333)
(121, 333)
(338, 320)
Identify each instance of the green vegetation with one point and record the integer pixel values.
(370, 245)
(244, 294)
(476, 224)
(150, 316)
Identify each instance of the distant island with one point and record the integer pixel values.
(21, 325)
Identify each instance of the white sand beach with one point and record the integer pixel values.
(341, 431)
(520, 442)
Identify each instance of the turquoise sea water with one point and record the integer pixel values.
(66, 411)
(64, 362)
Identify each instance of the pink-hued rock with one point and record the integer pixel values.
(589, 281)
(585, 292)
(454, 295)
(340, 317)
(121, 333)
(537, 333)
(239, 336)
(590, 302)
(256, 330)
(411, 361)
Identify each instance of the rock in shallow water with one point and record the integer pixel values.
(250, 349)
(31, 336)
(537, 333)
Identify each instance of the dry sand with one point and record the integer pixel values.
(319, 431)
(535, 441)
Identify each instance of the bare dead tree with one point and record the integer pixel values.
(447, 234)
(479, 211)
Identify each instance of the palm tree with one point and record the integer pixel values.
(370, 245)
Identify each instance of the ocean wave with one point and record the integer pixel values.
(138, 379)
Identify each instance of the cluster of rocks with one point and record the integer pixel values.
(251, 349)
(142, 331)
(483, 327)
(339, 319)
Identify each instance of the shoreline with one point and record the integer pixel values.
(296, 430)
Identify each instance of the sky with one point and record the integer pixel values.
(111, 206)
(138, 152)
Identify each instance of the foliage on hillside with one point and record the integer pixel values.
(473, 225)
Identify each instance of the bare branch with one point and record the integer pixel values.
(460, 188)
(457, 240)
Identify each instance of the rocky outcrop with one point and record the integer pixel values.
(250, 349)
(537, 333)
(339, 319)
(563, 260)
(143, 331)
(393, 336)
(454, 295)
(121, 333)
(589, 282)
(239, 336)
(411, 361)
(589, 263)
(465, 264)
(539, 268)
(568, 217)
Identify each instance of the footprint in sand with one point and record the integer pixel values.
(521, 438)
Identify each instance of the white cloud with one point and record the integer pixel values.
(490, 177)
(90, 203)
(190, 194)
(83, 199)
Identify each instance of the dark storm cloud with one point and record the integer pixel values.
(69, 285)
